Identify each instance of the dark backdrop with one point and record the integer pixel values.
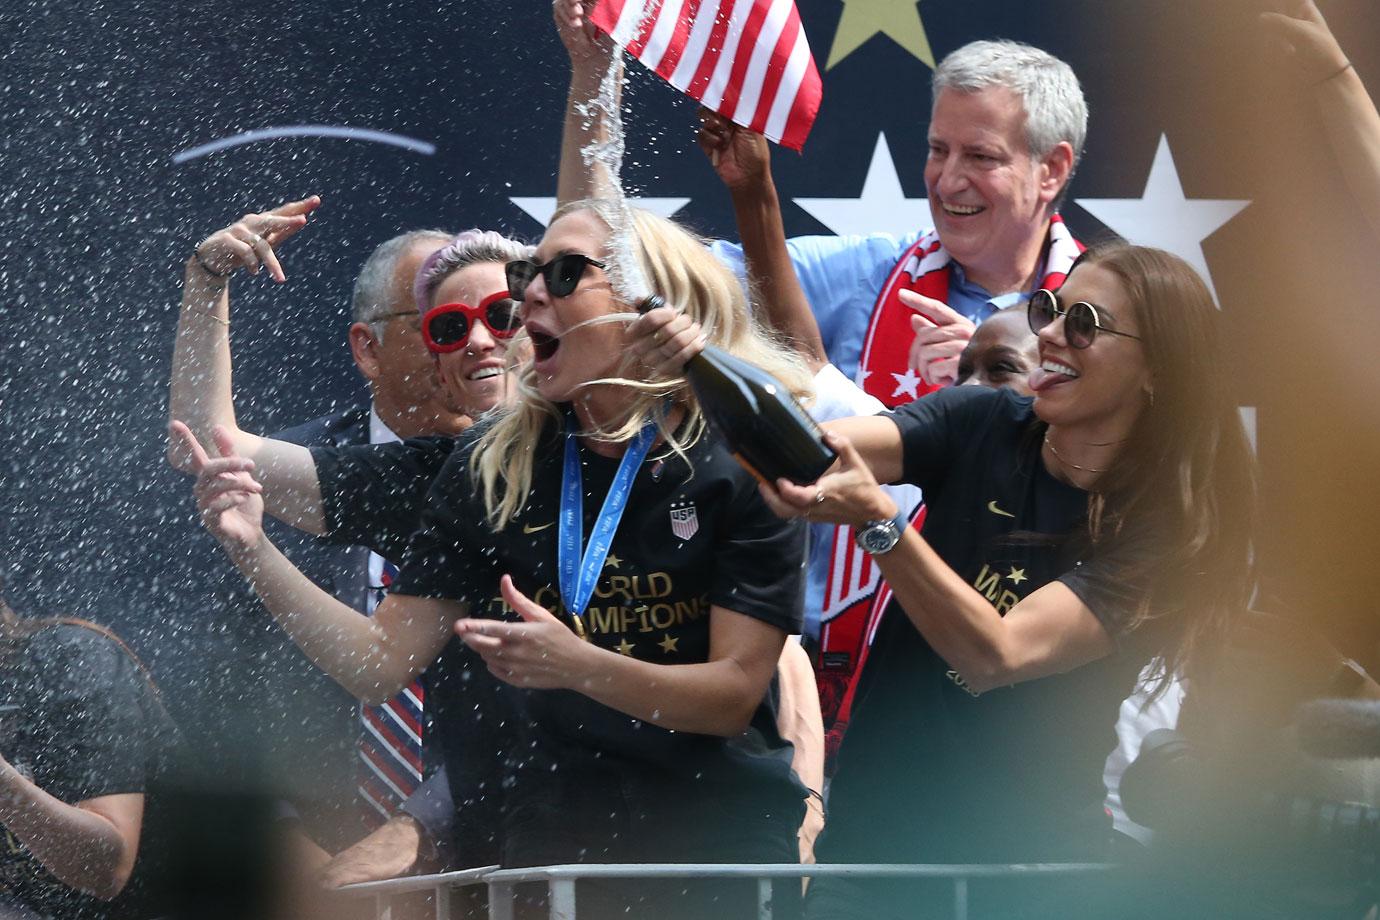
(95, 221)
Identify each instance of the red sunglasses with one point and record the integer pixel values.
(446, 327)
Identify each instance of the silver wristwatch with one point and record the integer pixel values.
(877, 537)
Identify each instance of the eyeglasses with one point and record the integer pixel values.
(562, 274)
(1082, 322)
(446, 328)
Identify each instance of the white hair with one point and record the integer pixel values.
(1055, 109)
(377, 293)
(468, 248)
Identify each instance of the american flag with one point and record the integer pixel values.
(747, 60)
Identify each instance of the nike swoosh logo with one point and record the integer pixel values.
(528, 528)
(992, 507)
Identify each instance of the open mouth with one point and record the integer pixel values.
(484, 373)
(544, 345)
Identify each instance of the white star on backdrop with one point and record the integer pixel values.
(541, 209)
(881, 208)
(1163, 217)
(907, 384)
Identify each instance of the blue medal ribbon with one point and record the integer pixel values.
(579, 573)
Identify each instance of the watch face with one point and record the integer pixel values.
(878, 539)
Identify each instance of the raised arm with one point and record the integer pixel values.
(371, 657)
(593, 61)
(1348, 113)
(743, 161)
(200, 392)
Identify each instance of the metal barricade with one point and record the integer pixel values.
(561, 880)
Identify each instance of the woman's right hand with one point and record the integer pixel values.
(589, 48)
(252, 240)
(227, 495)
(664, 340)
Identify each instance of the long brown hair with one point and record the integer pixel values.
(1187, 470)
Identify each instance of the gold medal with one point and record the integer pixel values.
(580, 627)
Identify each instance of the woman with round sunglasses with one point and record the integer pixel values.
(1073, 537)
(637, 723)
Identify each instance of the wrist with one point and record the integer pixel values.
(755, 194)
(879, 506)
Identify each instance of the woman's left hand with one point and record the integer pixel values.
(847, 494)
(540, 652)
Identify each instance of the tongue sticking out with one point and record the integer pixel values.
(1041, 379)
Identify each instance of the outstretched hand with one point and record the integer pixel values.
(540, 652)
(941, 334)
(740, 156)
(664, 340)
(227, 495)
(847, 494)
(587, 46)
(252, 240)
(1305, 38)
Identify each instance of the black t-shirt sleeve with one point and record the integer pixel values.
(937, 427)
(372, 494)
(1115, 581)
(90, 726)
(445, 557)
(759, 565)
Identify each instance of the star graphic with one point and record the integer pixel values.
(1163, 217)
(668, 645)
(899, 20)
(906, 384)
(541, 209)
(1017, 575)
(625, 647)
(881, 208)
(612, 562)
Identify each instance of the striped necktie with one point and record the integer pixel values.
(390, 740)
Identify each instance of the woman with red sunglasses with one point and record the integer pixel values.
(469, 318)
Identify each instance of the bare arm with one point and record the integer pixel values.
(742, 159)
(1349, 115)
(802, 724)
(716, 697)
(90, 846)
(593, 59)
(1048, 632)
(200, 392)
(371, 657)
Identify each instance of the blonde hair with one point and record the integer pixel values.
(679, 266)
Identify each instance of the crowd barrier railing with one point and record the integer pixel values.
(560, 881)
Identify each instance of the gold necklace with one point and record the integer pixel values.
(1055, 451)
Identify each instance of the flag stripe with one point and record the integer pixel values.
(763, 49)
(628, 18)
(737, 25)
(748, 37)
(662, 35)
(785, 96)
(666, 66)
(651, 11)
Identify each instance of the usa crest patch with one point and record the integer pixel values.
(685, 521)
